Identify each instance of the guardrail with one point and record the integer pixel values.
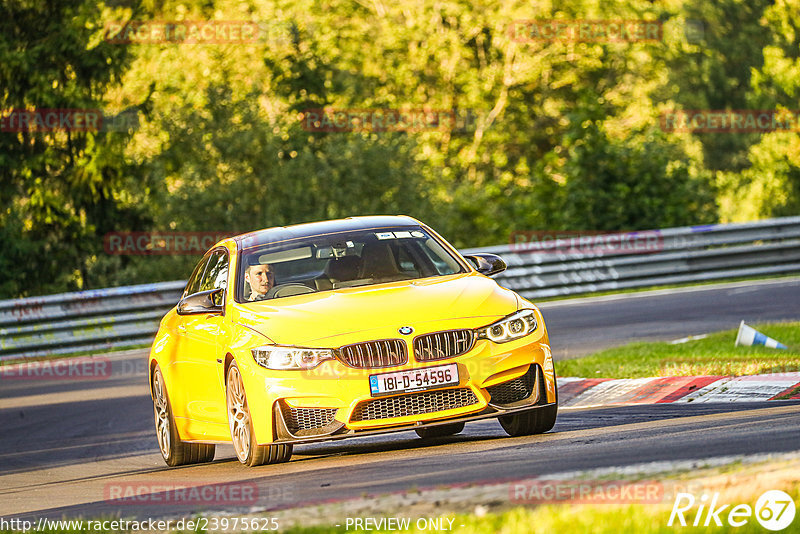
(685, 254)
(84, 321)
(126, 316)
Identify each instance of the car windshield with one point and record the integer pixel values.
(340, 260)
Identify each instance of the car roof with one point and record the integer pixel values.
(300, 231)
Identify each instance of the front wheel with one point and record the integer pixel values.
(535, 421)
(249, 452)
(174, 451)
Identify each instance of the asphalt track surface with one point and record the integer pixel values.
(68, 446)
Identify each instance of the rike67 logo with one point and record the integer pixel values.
(774, 510)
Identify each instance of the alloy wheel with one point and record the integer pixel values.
(238, 414)
(161, 414)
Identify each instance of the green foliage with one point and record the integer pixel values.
(771, 181)
(565, 135)
(644, 169)
(254, 174)
(59, 190)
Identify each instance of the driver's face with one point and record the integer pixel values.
(261, 278)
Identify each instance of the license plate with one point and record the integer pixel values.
(413, 380)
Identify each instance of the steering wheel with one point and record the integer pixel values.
(288, 290)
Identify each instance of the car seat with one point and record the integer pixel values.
(343, 269)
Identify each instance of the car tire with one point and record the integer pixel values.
(174, 451)
(248, 451)
(439, 431)
(535, 421)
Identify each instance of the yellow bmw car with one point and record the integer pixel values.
(344, 328)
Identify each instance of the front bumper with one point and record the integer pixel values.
(535, 399)
(333, 401)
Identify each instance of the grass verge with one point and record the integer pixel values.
(712, 355)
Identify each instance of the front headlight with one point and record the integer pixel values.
(512, 327)
(287, 358)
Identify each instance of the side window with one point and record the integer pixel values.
(216, 274)
(193, 286)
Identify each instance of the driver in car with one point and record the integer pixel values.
(261, 279)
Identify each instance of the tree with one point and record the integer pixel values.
(63, 188)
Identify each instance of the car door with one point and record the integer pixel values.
(200, 356)
(176, 365)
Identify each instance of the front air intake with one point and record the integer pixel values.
(414, 404)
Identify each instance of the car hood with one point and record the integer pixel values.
(317, 317)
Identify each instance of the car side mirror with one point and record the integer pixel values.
(487, 264)
(203, 302)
